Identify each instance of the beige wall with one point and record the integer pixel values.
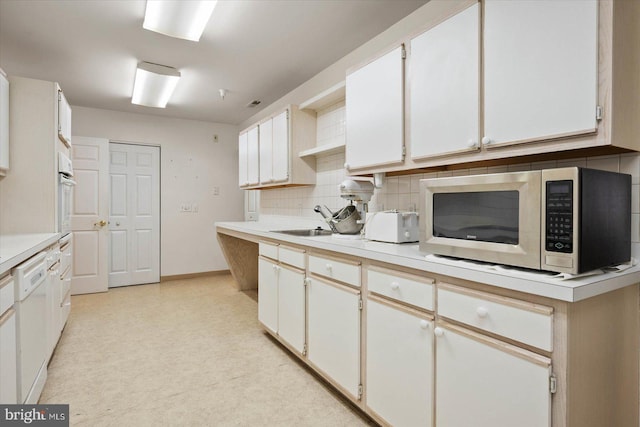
(191, 166)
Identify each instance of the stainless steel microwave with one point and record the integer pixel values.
(569, 220)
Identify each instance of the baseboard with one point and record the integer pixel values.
(194, 275)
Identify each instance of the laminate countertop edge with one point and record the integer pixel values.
(409, 255)
(16, 248)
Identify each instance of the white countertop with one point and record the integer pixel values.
(15, 248)
(409, 255)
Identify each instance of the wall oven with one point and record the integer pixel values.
(65, 193)
(567, 220)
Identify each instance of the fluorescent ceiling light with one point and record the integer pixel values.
(184, 19)
(154, 84)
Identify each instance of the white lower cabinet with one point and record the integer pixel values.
(334, 333)
(291, 307)
(483, 382)
(281, 293)
(268, 293)
(399, 364)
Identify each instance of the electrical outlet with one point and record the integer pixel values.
(216, 191)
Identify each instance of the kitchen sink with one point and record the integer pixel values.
(310, 232)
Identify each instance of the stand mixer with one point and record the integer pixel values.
(359, 192)
(350, 219)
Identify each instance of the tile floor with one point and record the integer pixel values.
(183, 353)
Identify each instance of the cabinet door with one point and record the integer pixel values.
(334, 333)
(243, 159)
(64, 119)
(268, 294)
(253, 156)
(266, 149)
(482, 382)
(281, 146)
(4, 123)
(8, 368)
(540, 69)
(399, 365)
(291, 307)
(444, 79)
(375, 112)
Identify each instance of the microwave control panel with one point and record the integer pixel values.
(559, 216)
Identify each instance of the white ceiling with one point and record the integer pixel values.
(255, 49)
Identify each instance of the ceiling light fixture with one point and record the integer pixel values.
(154, 84)
(178, 18)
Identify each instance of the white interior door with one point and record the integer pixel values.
(134, 214)
(90, 209)
(281, 146)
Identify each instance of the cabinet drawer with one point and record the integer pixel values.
(341, 270)
(518, 320)
(6, 294)
(268, 249)
(291, 256)
(400, 286)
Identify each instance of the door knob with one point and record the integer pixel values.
(101, 223)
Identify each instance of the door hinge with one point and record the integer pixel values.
(59, 95)
(304, 350)
(359, 391)
(306, 281)
(404, 151)
(599, 112)
(288, 114)
(360, 304)
(553, 384)
(404, 52)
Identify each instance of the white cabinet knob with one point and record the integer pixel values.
(438, 332)
(329, 267)
(472, 143)
(395, 286)
(482, 312)
(346, 166)
(486, 140)
(424, 324)
(407, 234)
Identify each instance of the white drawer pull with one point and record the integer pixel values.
(329, 267)
(438, 332)
(424, 324)
(482, 312)
(395, 286)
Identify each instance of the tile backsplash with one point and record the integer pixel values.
(401, 192)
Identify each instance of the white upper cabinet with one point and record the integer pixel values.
(4, 124)
(375, 112)
(274, 145)
(64, 119)
(243, 159)
(281, 147)
(540, 69)
(248, 157)
(253, 156)
(444, 94)
(265, 130)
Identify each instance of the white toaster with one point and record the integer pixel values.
(392, 227)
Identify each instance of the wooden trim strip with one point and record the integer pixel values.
(5, 280)
(291, 248)
(473, 149)
(497, 344)
(408, 310)
(7, 314)
(347, 288)
(193, 275)
(523, 305)
(401, 274)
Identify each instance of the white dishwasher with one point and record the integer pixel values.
(31, 309)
